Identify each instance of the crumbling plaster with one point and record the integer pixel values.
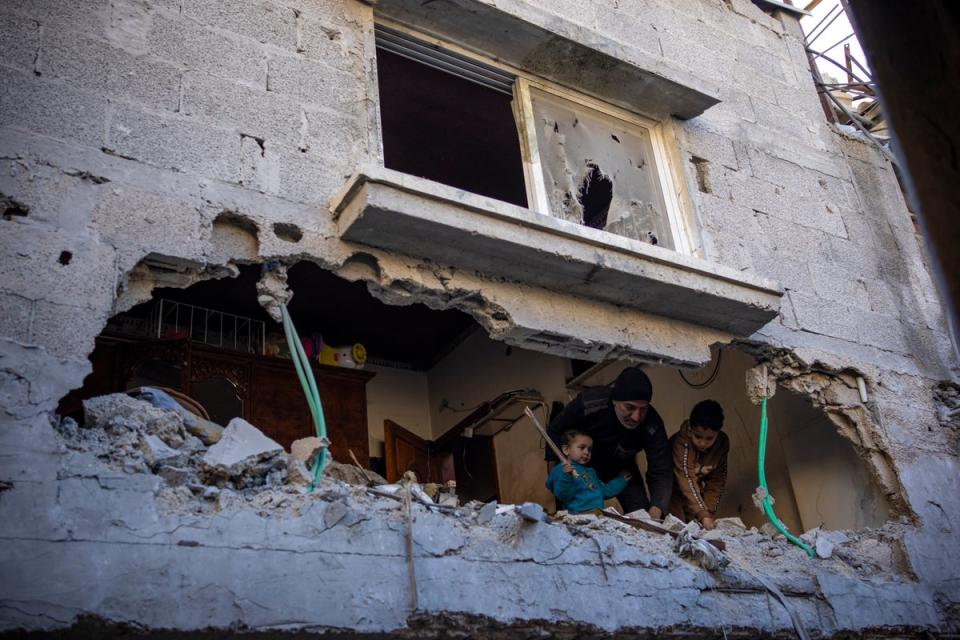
(129, 127)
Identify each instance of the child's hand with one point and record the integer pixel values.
(708, 523)
(567, 467)
(626, 475)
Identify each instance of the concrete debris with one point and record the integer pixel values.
(673, 523)
(760, 383)
(691, 546)
(486, 512)
(247, 471)
(771, 531)
(730, 526)
(156, 452)
(531, 512)
(272, 290)
(306, 449)
(758, 497)
(352, 474)
(297, 472)
(244, 457)
(130, 434)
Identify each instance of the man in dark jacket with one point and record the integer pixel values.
(622, 423)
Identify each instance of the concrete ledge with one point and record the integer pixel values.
(394, 211)
(537, 41)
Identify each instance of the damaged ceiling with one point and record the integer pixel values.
(413, 336)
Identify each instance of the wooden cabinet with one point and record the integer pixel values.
(262, 390)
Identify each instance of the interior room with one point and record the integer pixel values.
(412, 388)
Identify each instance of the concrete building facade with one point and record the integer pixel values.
(161, 143)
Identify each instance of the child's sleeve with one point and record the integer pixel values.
(716, 481)
(562, 484)
(685, 477)
(614, 487)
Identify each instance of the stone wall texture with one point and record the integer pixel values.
(128, 127)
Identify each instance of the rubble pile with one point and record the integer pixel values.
(247, 471)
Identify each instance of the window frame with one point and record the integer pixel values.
(668, 173)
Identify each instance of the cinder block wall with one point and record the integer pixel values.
(128, 126)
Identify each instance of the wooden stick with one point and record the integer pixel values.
(549, 440)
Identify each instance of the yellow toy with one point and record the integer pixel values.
(353, 357)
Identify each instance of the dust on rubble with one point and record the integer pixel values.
(246, 471)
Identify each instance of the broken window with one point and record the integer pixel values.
(595, 167)
(455, 119)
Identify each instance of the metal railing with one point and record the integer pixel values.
(206, 326)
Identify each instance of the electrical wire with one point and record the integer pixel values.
(708, 381)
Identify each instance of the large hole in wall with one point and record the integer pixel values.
(438, 396)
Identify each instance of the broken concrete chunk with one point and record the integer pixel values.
(176, 476)
(730, 526)
(690, 546)
(297, 472)
(334, 513)
(243, 457)
(306, 449)
(639, 514)
(760, 385)
(532, 512)
(156, 452)
(352, 474)
(673, 523)
(826, 541)
(486, 513)
(272, 290)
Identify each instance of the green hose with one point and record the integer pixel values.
(309, 384)
(767, 506)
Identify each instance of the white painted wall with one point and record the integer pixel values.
(480, 369)
(401, 396)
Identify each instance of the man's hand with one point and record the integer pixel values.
(708, 523)
(567, 467)
(626, 475)
(655, 513)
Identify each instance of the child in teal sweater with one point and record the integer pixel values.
(585, 491)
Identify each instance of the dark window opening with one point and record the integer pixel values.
(442, 127)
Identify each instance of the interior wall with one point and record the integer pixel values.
(480, 369)
(400, 395)
(832, 485)
(742, 425)
(814, 474)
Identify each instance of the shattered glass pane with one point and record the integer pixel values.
(599, 171)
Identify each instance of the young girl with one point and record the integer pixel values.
(584, 492)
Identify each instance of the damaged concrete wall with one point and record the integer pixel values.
(147, 142)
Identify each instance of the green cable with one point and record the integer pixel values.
(309, 385)
(767, 506)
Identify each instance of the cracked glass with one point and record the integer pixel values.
(599, 170)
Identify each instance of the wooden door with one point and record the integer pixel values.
(405, 451)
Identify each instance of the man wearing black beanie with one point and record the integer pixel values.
(622, 423)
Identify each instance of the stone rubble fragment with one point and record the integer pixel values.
(691, 546)
(244, 457)
(531, 512)
(156, 452)
(759, 386)
(487, 512)
(272, 290)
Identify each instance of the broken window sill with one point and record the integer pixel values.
(398, 212)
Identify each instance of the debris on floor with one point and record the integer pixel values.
(246, 470)
(244, 457)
